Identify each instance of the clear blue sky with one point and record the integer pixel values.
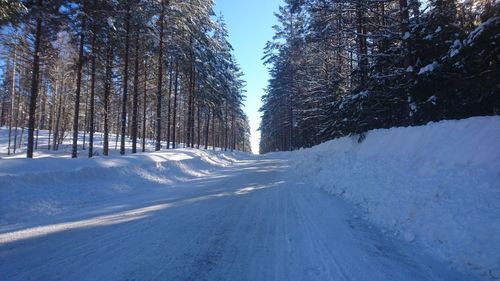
(250, 27)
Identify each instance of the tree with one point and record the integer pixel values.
(76, 116)
(80, 79)
(375, 64)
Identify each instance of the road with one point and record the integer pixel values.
(254, 220)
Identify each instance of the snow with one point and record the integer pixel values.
(428, 68)
(111, 23)
(408, 202)
(362, 94)
(413, 106)
(455, 48)
(437, 184)
(432, 99)
(66, 182)
(250, 220)
(477, 32)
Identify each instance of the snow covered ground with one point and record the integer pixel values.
(422, 204)
(436, 185)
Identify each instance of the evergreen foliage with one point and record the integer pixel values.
(345, 67)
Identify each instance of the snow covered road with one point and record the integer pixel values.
(253, 220)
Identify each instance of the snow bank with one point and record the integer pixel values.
(436, 185)
(33, 189)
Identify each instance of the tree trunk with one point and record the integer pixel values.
(136, 97)
(198, 127)
(363, 50)
(92, 88)
(174, 115)
(170, 82)
(74, 151)
(160, 80)
(85, 117)
(193, 105)
(226, 127)
(12, 99)
(144, 103)
(107, 92)
(125, 83)
(213, 131)
(34, 82)
(51, 121)
(207, 129)
(41, 120)
(405, 21)
(55, 145)
(190, 97)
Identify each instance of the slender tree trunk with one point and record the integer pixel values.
(226, 127)
(51, 121)
(63, 125)
(117, 129)
(405, 20)
(232, 131)
(207, 129)
(174, 123)
(59, 112)
(193, 105)
(22, 131)
(198, 127)
(125, 83)
(16, 122)
(170, 82)
(339, 38)
(190, 95)
(144, 103)
(74, 152)
(136, 97)
(12, 98)
(160, 79)
(92, 87)
(85, 117)
(41, 120)
(363, 51)
(3, 112)
(34, 81)
(213, 131)
(107, 92)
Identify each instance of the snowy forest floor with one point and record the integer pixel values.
(188, 214)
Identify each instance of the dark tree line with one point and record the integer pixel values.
(343, 67)
(134, 70)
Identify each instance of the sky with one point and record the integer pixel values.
(250, 26)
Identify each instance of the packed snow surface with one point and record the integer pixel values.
(412, 204)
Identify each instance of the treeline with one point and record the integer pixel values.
(343, 67)
(132, 69)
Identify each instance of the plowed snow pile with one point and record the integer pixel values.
(36, 189)
(436, 185)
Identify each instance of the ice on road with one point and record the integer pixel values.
(253, 220)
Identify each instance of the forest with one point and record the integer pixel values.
(341, 68)
(138, 72)
(379, 124)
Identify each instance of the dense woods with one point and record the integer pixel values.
(344, 67)
(138, 71)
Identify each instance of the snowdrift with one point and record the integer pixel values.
(436, 185)
(36, 189)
